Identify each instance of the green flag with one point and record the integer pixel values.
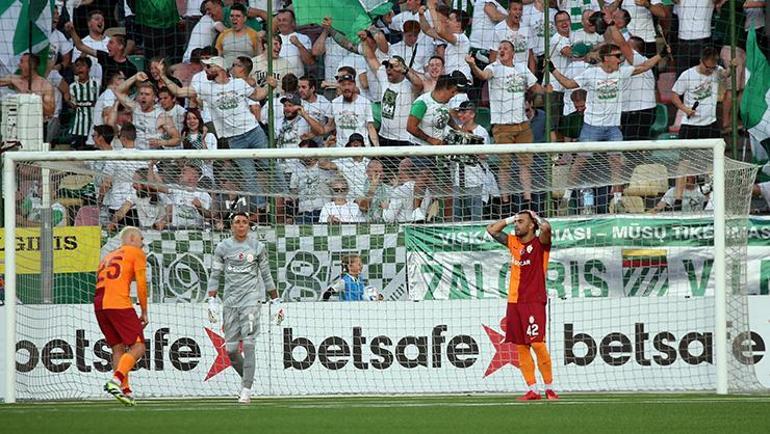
(756, 96)
(348, 16)
(25, 23)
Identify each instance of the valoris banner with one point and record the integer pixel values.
(634, 344)
(608, 257)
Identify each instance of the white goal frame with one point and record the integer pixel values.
(717, 146)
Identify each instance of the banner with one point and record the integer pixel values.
(305, 259)
(401, 347)
(348, 16)
(75, 249)
(607, 257)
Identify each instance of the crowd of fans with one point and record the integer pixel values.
(142, 75)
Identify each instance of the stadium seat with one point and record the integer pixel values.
(631, 204)
(483, 118)
(661, 120)
(648, 180)
(138, 61)
(87, 216)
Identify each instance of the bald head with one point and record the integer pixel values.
(131, 236)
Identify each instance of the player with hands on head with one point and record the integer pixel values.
(243, 261)
(525, 314)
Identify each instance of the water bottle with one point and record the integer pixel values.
(588, 200)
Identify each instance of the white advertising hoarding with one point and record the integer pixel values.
(389, 347)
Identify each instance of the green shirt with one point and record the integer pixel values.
(158, 14)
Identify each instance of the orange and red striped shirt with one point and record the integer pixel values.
(529, 264)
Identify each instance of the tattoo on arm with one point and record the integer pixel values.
(501, 237)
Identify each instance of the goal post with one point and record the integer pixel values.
(701, 157)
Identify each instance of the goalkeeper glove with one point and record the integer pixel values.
(279, 309)
(215, 309)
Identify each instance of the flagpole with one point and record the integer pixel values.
(29, 43)
(733, 84)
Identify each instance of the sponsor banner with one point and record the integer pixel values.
(613, 257)
(633, 344)
(305, 259)
(75, 249)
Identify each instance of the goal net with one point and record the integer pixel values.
(632, 281)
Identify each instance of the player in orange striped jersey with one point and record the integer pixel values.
(123, 330)
(525, 314)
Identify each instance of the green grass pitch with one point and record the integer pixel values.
(476, 414)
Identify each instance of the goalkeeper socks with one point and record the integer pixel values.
(526, 364)
(249, 365)
(543, 361)
(125, 364)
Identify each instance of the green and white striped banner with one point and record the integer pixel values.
(608, 257)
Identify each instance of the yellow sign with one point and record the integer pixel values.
(76, 249)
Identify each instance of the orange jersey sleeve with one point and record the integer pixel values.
(514, 247)
(113, 280)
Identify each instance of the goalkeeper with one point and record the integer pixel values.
(243, 261)
(525, 315)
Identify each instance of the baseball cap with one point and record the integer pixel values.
(355, 137)
(291, 98)
(215, 61)
(466, 105)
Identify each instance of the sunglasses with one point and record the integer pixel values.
(339, 189)
(616, 55)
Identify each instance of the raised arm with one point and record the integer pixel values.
(177, 91)
(495, 230)
(425, 25)
(77, 42)
(368, 53)
(491, 10)
(562, 79)
(441, 30)
(319, 46)
(545, 228)
(478, 72)
(649, 63)
(305, 55)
